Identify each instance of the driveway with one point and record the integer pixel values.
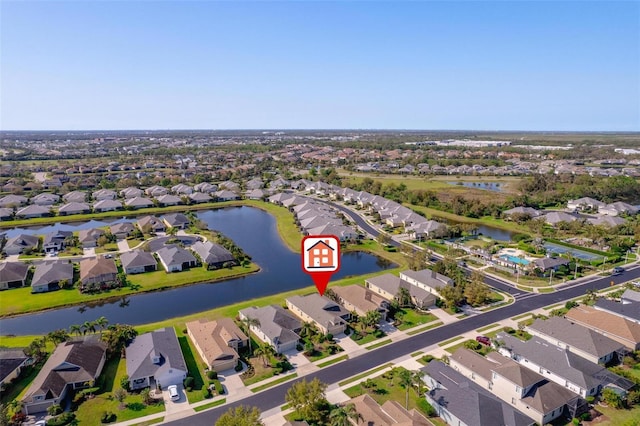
(347, 343)
(173, 407)
(232, 383)
(297, 358)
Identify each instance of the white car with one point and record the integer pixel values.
(173, 392)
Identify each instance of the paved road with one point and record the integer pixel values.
(274, 397)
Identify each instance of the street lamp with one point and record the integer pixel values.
(575, 273)
(550, 276)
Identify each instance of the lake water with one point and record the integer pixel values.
(488, 186)
(253, 230)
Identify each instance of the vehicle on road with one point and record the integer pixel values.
(618, 270)
(173, 392)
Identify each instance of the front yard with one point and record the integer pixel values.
(409, 318)
(90, 411)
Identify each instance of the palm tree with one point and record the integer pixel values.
(75, 328)
(406, 380)
(102, 322)
(341, 415)
(259, 352)
(417, 381)
(247, 323)
(307, 329)
(88, 326)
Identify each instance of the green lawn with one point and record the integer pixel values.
(449, 341)
(423, 329)
(365, 374)
(20, 300)
(210, 405)
(622, 417)
(378, 344)
(274, 382)
(333, 361)
(387, 387)
(89, 412)
(410, 318)
(19, 387)
(195, 366)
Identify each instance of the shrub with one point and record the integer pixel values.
(107, 417)
(508, 330)
(238, 366)
(219, 387)
(124, 383)
(54, 410)
(329, 337)
(427, 408)
(575, 421)
(212, 374)
(347, 331)
(206, 393)
(62, 419)
(585, 417)
(188, 383)
(428, 358)
(590, 399)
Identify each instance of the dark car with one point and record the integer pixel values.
(618, 270)
(484, 340)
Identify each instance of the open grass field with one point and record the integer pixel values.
(486, 220)
(20, 300)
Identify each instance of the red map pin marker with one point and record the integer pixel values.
(320, 258)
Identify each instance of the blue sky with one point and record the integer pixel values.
(505, 65)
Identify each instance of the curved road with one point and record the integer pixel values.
(274, 397)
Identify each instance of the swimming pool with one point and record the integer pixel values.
(515, 259)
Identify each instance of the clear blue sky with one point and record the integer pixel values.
(506, 65)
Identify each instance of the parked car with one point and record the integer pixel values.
(618, 270)
(484, 340)
(173, 392)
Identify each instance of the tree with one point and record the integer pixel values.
(102, 322)
(58, 336)
(403, 297)
(371, 319)
(416, 377)
(117, 336)
(37, 348)
(383, 238)
(120, 395)
(476, 291)
(406, 381)
(308, 399)
(240, 416)
(146, 396)
(247, 323)
(88, 326)
(612, 399)
(341, 415)
(452, 295)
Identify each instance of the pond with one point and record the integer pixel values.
(252, 229)
(488, 186)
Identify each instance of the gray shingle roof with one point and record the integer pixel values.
(13, 271)
(137, 258)
(50, 272)
(161, 343)
(275, 322)
(212, 253)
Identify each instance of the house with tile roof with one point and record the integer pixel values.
(96, 272)
(217, 342)
(390, 413)
(359, 299)
(610, 325)
(155, 360)
(388, 286)
(276, 326)
(72, 366)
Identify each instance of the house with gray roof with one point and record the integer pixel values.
(213, 255)
(138, 262)
(388, 286)
(525, 389)
(75, 197)
(12, 200)
(155, 360)
(276, 326)
(618, 208)
(554, 218)
(205, 187)
(199, 197)
(461, 402)
(181, 189)
(6, 213)
(104, 194)
(358, 299)
(89, 237)
(155, 191)
(151, 224)
(606, 221)
(524, 211)
(72, 366)
(280, 197)
(74, 208)
(324, 313)
(176, 220)
(585, 203)
(138, 203)
(611, 325)
(575, 338)
(628, 307)
(12, 361)
(45, 199)
(122, 230)
(217, 342)
(106, 205)
(32, 211)
(226, 195)
(56, 241)
(426, 279)
(174, 258)
(559, 365)
(548, 263)
(131, 192)
(168, 200)
(13, 274)
(49, 275)
(255, 194)
(20, 243)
